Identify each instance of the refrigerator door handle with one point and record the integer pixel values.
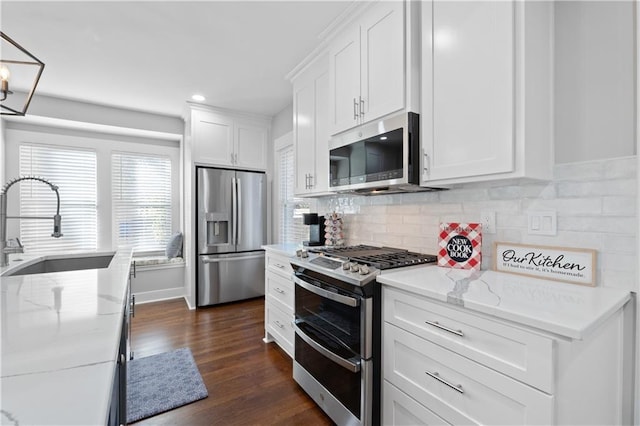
(234, 212)
(230, 259)
(239, 211)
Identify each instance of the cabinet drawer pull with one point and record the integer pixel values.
(279, 290)
(279, 324)
(277, 265)
(442, 327)
(435, 375)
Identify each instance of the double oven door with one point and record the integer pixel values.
(333, 346)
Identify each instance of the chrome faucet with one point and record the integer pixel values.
(7, 248)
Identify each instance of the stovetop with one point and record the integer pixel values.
(378, 257)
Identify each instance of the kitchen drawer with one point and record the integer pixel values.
(456, 388)
(280, 327)
(279, 264)
(280, 289)
(399, 409)
(518, 353)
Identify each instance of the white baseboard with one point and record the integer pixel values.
(159, 295)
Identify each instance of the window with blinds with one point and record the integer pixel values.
(74, 172)
(141, 188)
(291, 209)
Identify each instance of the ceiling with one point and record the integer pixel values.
(153, 55)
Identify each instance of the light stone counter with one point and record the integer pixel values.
(60, 339)
(284, 249)
(567, 310)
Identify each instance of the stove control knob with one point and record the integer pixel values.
(346, 266)
(305, 254)
(355, 267)
(364, 270)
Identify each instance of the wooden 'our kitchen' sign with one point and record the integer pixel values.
(576, 266)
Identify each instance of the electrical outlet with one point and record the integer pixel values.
(488, 221)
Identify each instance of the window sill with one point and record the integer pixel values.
(158, 262)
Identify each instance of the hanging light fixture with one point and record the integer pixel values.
(23, 61)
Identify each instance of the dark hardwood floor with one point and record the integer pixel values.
(249, 381)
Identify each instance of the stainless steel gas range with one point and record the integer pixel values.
(337, 327)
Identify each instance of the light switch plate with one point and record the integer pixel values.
(542, 222)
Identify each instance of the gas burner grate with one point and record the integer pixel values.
(378, 257)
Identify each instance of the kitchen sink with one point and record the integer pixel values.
(61, 265)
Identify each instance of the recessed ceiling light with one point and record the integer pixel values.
(198, 98)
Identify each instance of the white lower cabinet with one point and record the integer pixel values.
(446, 364)
(279, 302)
(400, 409)
(458, 389)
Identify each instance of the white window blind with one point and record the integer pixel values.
(74, 172)
(291, 209)
(141, 188)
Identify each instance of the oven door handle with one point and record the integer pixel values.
(354, 367)
(345, 300)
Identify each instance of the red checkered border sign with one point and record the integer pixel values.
(460, 245)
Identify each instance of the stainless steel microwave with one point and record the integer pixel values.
(377, 157)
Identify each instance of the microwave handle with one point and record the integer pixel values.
(345, 300)
(425, 166)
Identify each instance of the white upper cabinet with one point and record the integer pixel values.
(486, 91)
(367, 67)
(250, 144)
(310, 128)
(212, 137)
(228, 140)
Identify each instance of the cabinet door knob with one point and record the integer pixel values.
(310, 181)
(361, 107)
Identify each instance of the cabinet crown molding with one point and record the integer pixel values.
(190, 106)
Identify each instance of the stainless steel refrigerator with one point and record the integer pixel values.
(231, 227)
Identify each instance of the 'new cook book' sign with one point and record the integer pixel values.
(460, 245)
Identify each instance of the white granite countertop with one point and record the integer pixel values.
(567, 310)
(60, 339)
(284, 249)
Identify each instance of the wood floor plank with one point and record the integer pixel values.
(249, 382)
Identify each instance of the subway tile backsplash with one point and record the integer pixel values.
(595, 203)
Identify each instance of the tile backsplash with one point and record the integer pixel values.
(595, 203)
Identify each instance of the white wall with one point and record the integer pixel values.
(281, 128)
(82, 112)
(594, 80)
(2, 153)
(282, 122)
